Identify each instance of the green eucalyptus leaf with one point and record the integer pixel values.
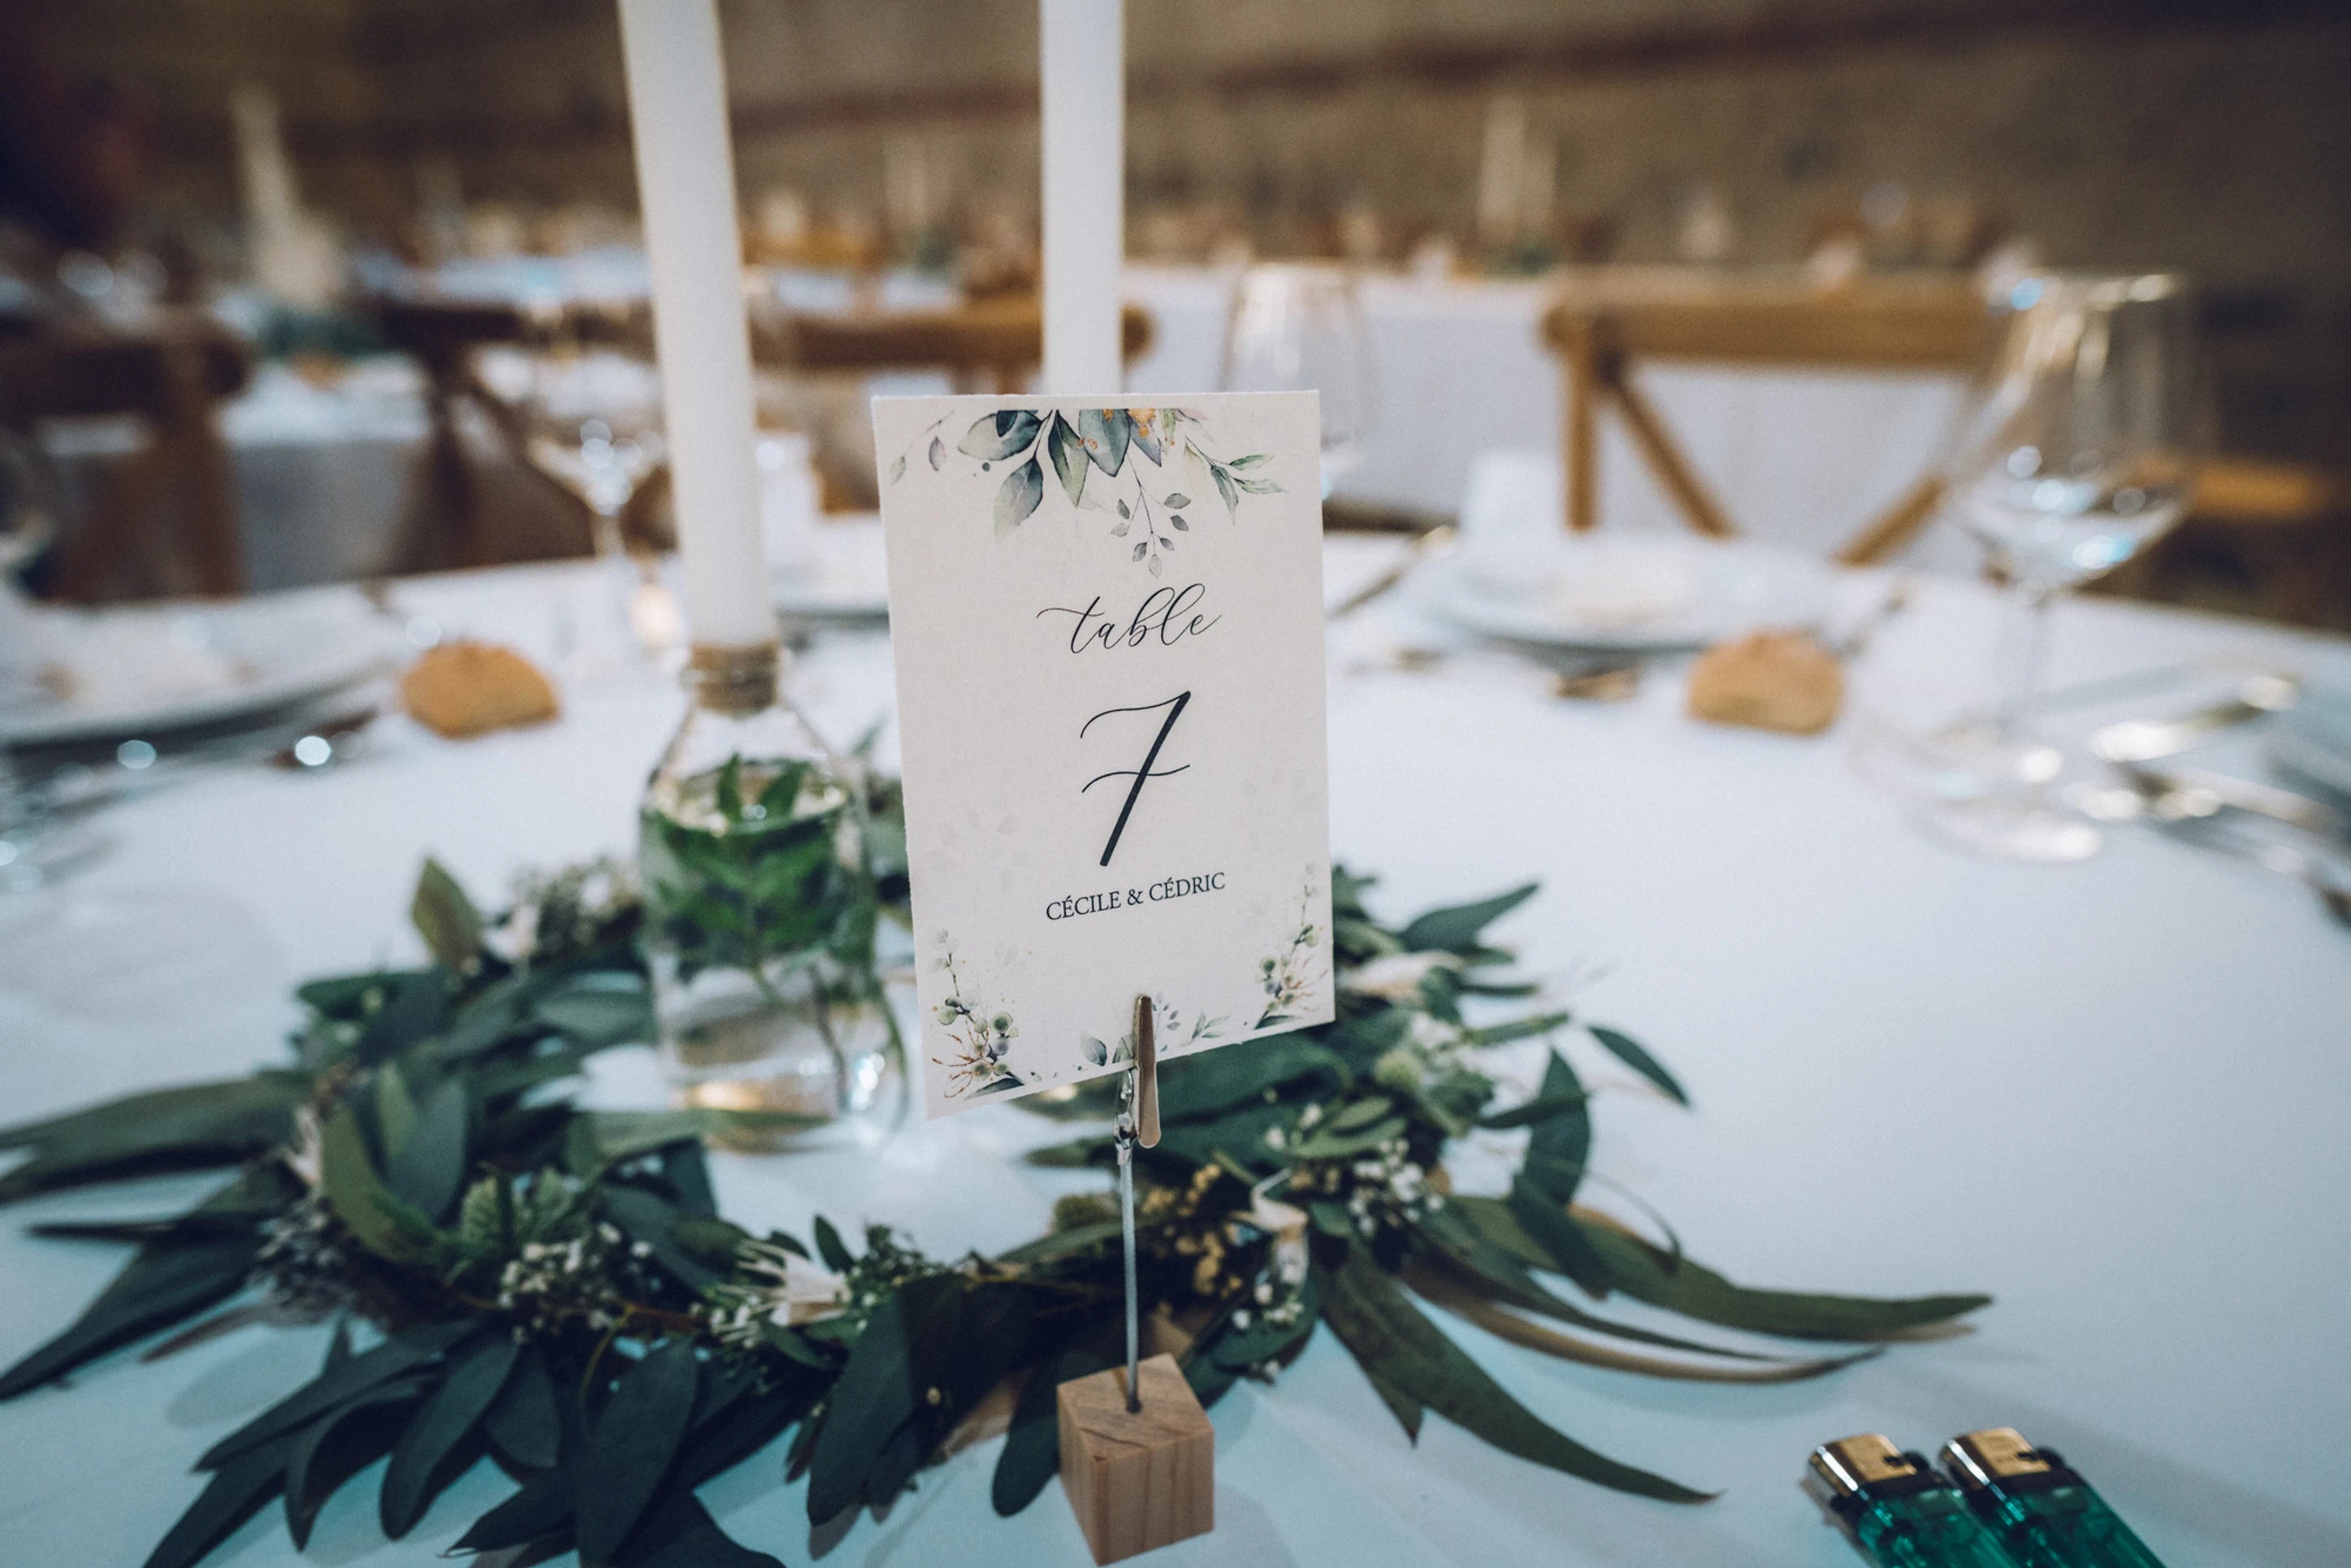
(201, 1125)
(1650, 1274)
(1456, 1248)
(681, 1534)
(1358, 1113)
(538, 1510)
(1407, 1410)
(600, 1010)
(1517, 1029)
(1559, 1144)
(236, 1494)
(446, 918)
(523, 1421)
(829, 1248)
(384, 1223)
(339, 1444)
(1197, 1086)
(630, 1450)
(1414, 1359)
(1628, 1052)
(1456, 929)
(351, 999)
(1542, 1108)
(1063, 1243)
(643, 1217)
(1332, 1145)
(394, 1110)
(1032, 1447)
(420, 1468)
(193, 1111)
(162, 1285)
(1565, 1247)
(340, 1384)
(429, 1165)
(416, 1009)
(875, 1396)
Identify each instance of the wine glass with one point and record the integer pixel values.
(1299, 328)
(594, 420)
(2079, 450)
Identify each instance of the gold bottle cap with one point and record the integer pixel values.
(735, 678)
(1978, 1460)
(1850, 1464)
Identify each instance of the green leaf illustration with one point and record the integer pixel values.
(1022, 489)
(1069, 460)
(1106, 431)
(995, 436)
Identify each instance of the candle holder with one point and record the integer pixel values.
(761, 910)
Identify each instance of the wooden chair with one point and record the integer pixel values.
(2283, 527)
(451, 518)
(1602, 327)
(983, 345)
(986, 345)
(165, 519)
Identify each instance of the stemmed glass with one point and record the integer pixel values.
(594, 424)
(2078, 452)
(1297, 328)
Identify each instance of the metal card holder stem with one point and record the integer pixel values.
(1138, 1122)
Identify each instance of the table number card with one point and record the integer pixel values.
(1108, 627)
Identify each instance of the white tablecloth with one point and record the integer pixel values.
(2112, 1095)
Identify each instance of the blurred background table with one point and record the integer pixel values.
(2110, 1095)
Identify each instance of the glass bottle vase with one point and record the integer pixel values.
(760, 912)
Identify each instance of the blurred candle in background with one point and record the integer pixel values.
(685, 189)
(1082, 63)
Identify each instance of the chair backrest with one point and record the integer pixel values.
(165, 519)
(985, 345)
(1603, 324)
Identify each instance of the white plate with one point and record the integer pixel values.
(1638, 594)
(846, 580)
(2313, 740)
(187, 665)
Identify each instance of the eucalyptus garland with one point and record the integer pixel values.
(552, 1287)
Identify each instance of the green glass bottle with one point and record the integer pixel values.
(2043, 1513)
(1898, 1511)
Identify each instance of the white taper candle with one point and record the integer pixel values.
(685, 189)
(1082, 64)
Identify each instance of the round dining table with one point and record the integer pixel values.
(2111, 1094)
